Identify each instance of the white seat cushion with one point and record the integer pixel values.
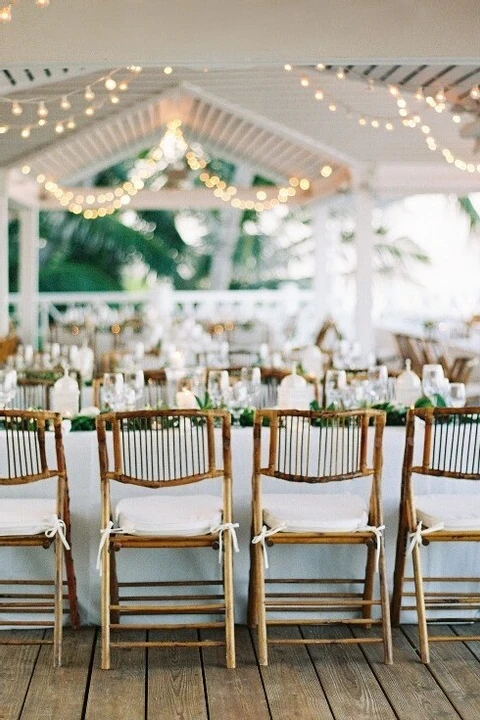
(456, 512)
(26, 516)
(315, 513)
(169, 515)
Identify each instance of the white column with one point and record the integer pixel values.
(323, 236)
(4, 325)
(28, 276)
(364, 238)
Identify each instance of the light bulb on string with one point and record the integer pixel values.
(5, 13)
(25, 132)
(16, 109)
(475, 92)
(59, 128)
(110, 83)
(89, 94)
(65, 103)
(42, 3)
(42, 110)
(440, 96)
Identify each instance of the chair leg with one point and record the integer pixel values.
(105, 607)
(420, 601)
(229, 602)
(399, 571)
(385, 606)
(114, 595)
(369, 582)
(253, 585)
(260, 606)
(58, 603)
(70, 569)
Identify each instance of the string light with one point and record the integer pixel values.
(101, 203)
(64, 101)
(6, 10)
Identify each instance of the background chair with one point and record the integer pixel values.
(316, 448)
(156, 450)
(33, 393)
(448, 447)
(35, 522)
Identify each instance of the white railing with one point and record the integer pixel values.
(269, 306)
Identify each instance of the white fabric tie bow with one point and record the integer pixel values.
(378, 532)
(416, 537)
(263, 535)
(58, 526)
(220, 529)
(105, 534)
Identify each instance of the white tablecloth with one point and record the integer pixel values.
(83, 471)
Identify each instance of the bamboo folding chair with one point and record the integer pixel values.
(157, 450)
(33, 393)
(302, 447)
(35, 522)
(448, 452)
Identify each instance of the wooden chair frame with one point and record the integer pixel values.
(434, 449)
(259, 600)
(111, 601)
(31, 467)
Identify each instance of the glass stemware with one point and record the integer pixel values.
(377, 384)
(134, 383)
(335, 384)
(113, 390)
(218, 387)
(457, 394)
(252, 380)
(8, 386)
(433, 381)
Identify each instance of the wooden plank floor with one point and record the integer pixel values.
(334, 682)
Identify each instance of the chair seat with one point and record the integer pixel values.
(456, 512)
(169, 515)
(319, 513)
(26, 516)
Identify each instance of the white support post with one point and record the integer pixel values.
(364, 237)
(322, 285)
(4, 322)
(28, 276)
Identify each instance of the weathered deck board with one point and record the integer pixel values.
(291, 683)
(409, 685)
(59, 692)
(352, 689)
(456, 670)
(233, 693)
(321, 682)
(175, 680)
(119, 692)
(16, 666)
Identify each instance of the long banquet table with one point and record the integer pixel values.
(83, 471)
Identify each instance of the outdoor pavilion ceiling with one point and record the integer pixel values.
(264, 118)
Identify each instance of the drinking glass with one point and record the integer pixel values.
(377, 379)
(252, 379)
(8, 386)
(433, 380)
(238, 399)
(134, 383)
(457, 394)
(335, 384)
(218, 387)
(113, 390)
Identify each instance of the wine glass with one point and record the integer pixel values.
(377, 379)
(335, 384)
(113, 390)
(457, 394)
(8, 386)
(218, 387)
(433, 381)
(252, 380)
(133, 386)
(238, 399)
